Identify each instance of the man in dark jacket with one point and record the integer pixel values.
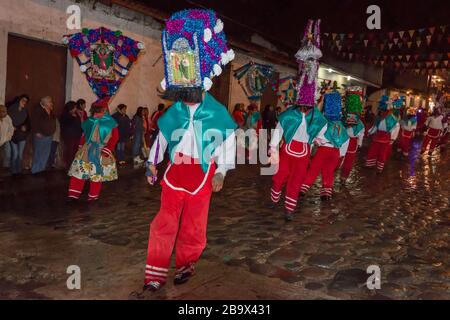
(124, 123)
(43, 126)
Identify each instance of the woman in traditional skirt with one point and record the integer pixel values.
(94, 160)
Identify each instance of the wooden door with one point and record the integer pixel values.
(38, 69)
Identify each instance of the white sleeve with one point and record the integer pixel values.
(320, 138)
(225, 155)
(427, 122)
(343, 149)
(277, 135)
(395, 131)
(162, 149)
(373, 129)
(361, 138)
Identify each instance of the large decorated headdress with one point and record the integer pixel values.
(194, 49)
(383, 105)
(308, 59)
(353, 104)
(332, 106)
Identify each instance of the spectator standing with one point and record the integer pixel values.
(43, 126)
(20, 120)
(124, 127)
(52, 158)
(6, 133)
(147, 133)
(81, 106)
(238, 115)
(71, 131)
(138, 135)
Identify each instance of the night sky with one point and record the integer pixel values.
(283, 21)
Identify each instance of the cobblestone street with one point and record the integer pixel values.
(398, 220)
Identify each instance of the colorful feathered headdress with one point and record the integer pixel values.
(332, 106)
(353, 104)
(195, 50)
(308, 59)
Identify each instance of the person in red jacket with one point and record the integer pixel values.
(94, 160)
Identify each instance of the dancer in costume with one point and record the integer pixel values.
(434, 132)
(397, 112)
(355, 131)
(199, 134)
(408, 127)
(445, 133)
(385, 132)
(94, 160)
(299, 126)
(253, 124)
(332, 148)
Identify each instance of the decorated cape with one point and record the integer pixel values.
(391, 121)
(210, 118)
(291, 119)
(358, 127)
(255, 117)
(336, 133)
(409, 121)
(106, 125)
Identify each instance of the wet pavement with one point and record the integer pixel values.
(399, 221)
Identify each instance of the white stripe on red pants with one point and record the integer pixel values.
(180, 223)
(76, 188)
(379, 150)
(291, 172)
(404, 142)
(432, 138)
(350, 156)
(324, 162)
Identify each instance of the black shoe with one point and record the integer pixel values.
(153, 286)
(272, 205)
(184, 274)
(70, 200)
(325, 198)
(288, 216)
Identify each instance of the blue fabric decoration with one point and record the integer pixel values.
(332, 106)
(383, 104)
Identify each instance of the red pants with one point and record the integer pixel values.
(294, 160)
(182, 219)
(325, 162)
(404, 142)
(432, 138)
(76, 188)
(349, 158)
(379, 150)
